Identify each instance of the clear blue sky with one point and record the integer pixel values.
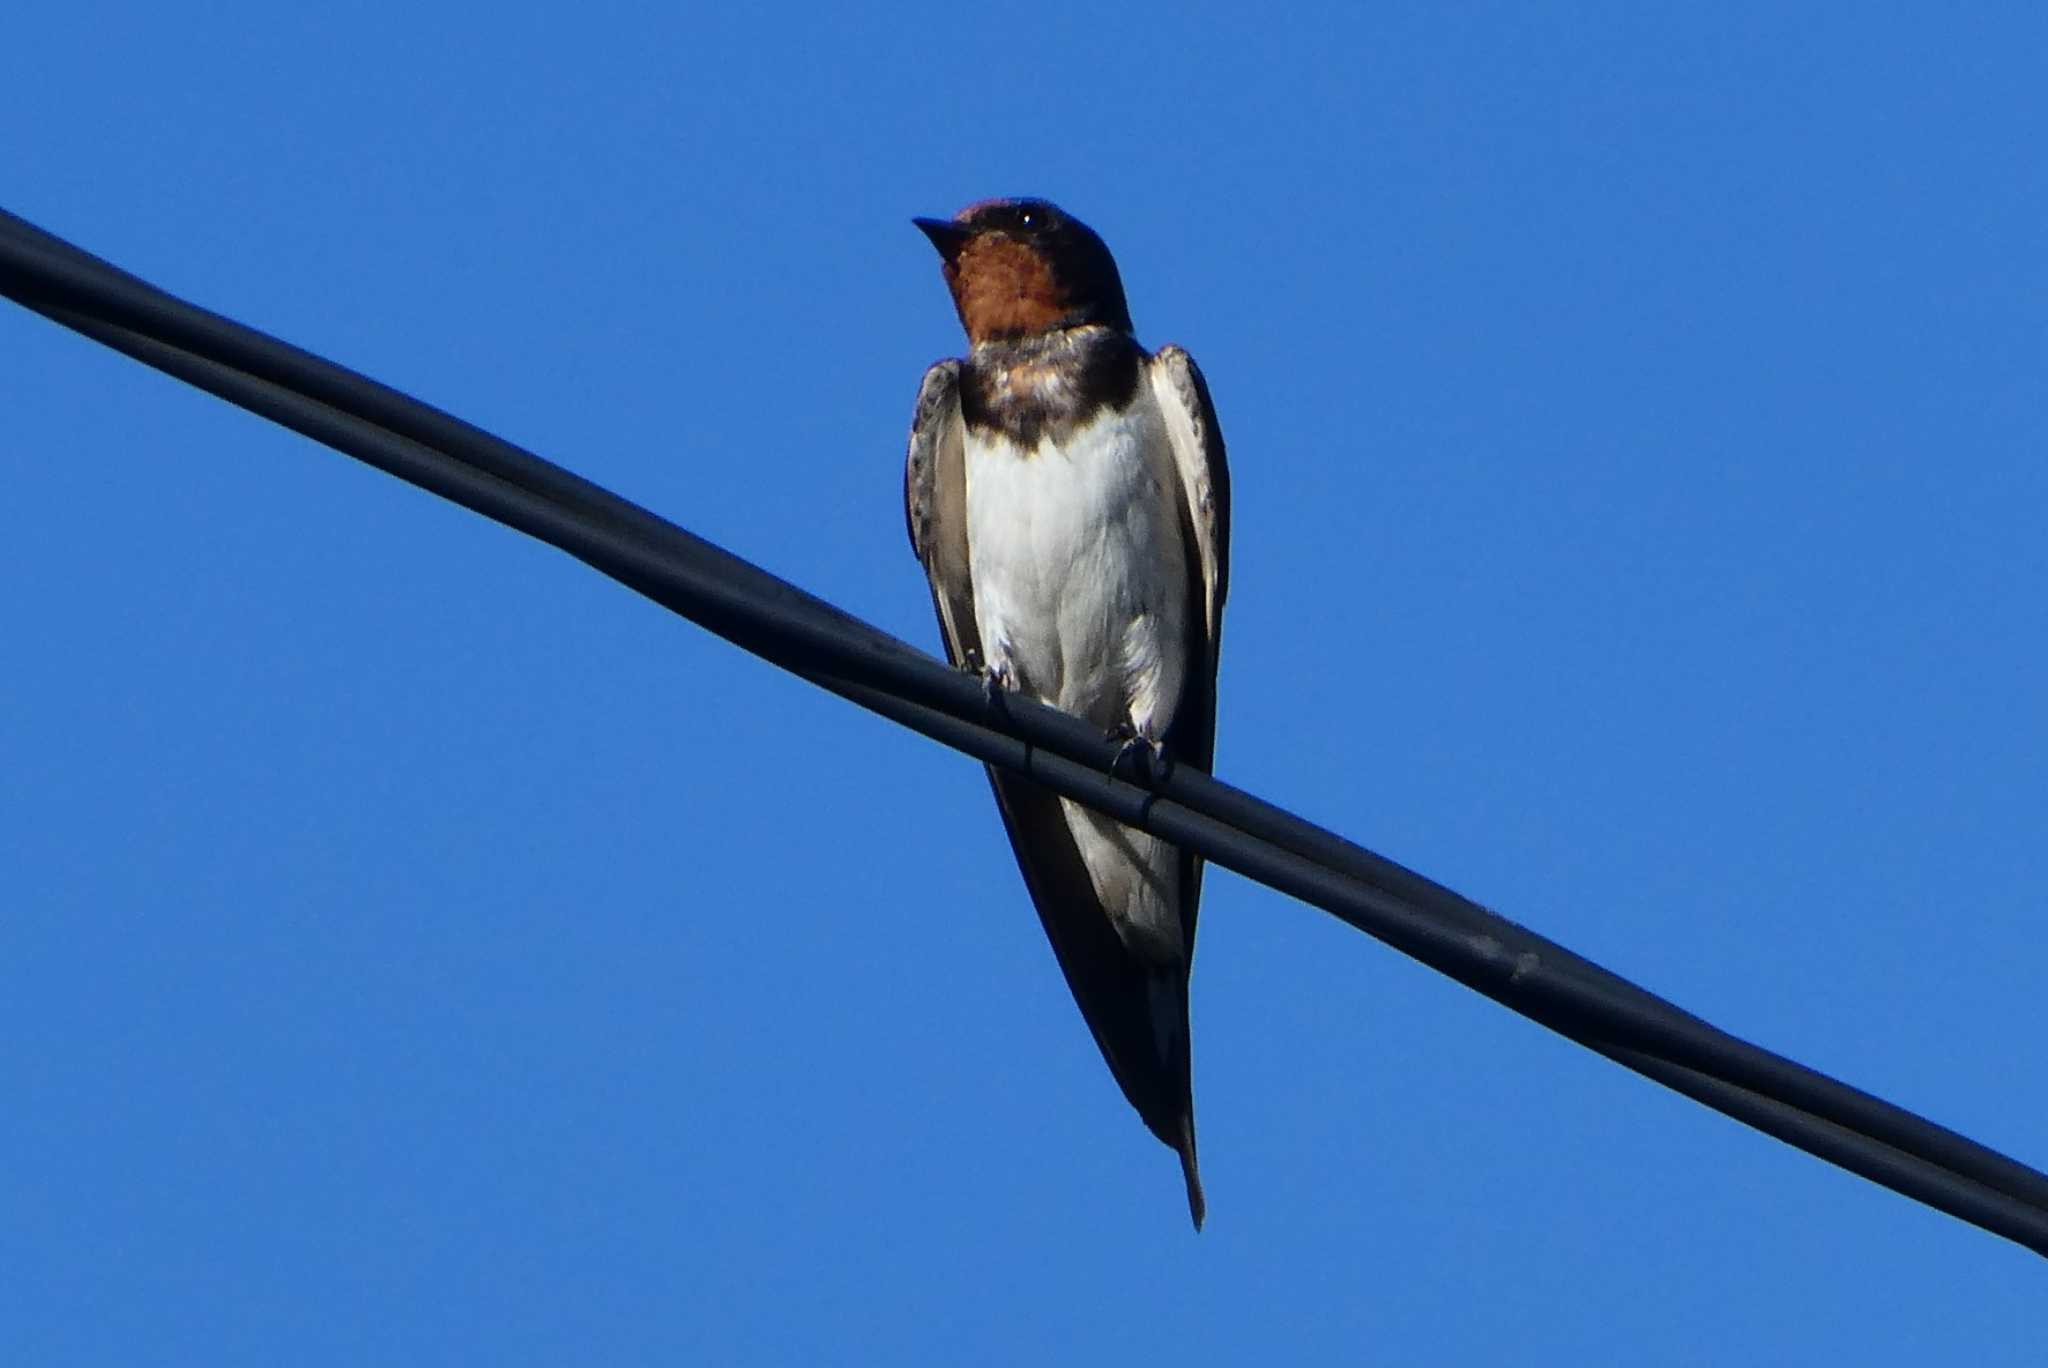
(419, 949)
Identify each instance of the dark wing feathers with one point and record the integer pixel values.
(935, 506)
(1205, 475)
(1197, 442)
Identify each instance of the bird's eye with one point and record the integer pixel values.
(1027, 219)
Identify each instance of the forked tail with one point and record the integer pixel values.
(1198, 1205)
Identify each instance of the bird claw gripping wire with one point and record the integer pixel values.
(1138, 756)
(996, 680)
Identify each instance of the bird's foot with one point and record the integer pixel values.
(1138, 756)
(996, 680)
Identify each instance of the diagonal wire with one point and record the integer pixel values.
(774, 619)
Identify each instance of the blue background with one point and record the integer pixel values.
(419, 949)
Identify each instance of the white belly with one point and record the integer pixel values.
(1081, 595)
(1080, 582)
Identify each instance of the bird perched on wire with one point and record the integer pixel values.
(1067, 495)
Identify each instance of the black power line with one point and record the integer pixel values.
(774, 619)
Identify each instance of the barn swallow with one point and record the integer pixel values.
(1067, 495)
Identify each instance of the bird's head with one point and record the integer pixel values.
(1023, 267)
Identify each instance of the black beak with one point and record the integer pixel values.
(945, 234)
